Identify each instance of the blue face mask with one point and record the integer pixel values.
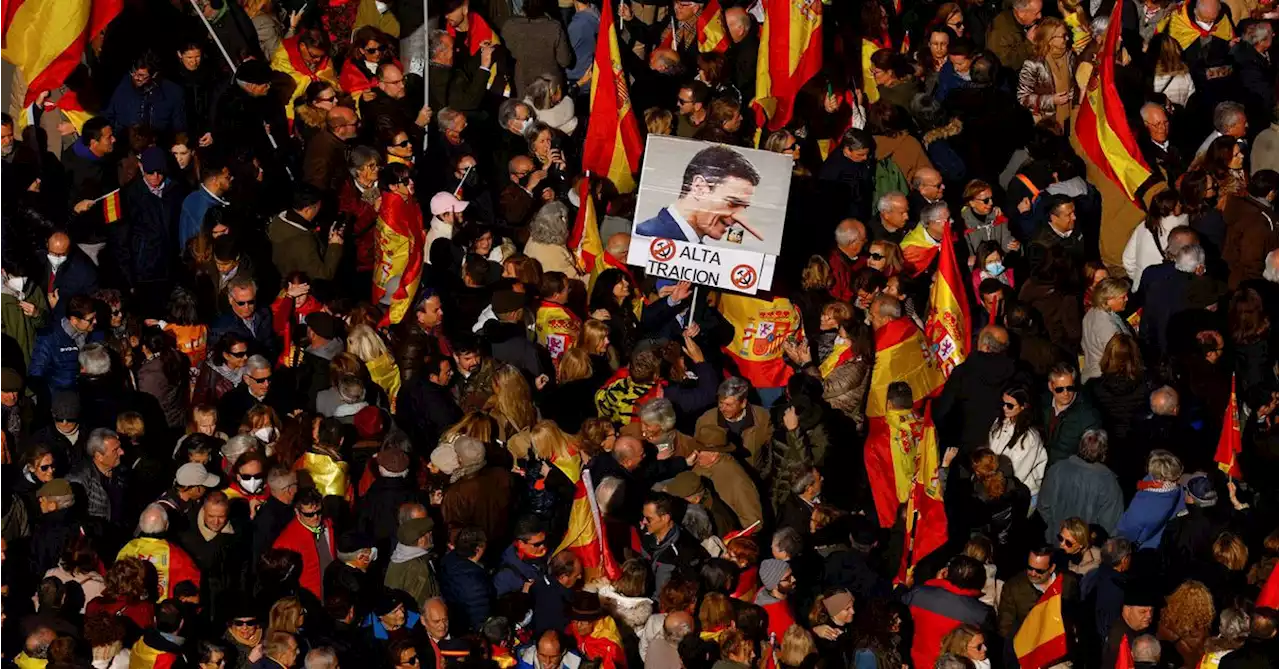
(994, 268)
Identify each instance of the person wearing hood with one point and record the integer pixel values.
(310, 534)
(525, 560)
(940, 604)
(411, 569)
(217, 548)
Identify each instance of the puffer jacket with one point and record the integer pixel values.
(845, 389)
(56, 357)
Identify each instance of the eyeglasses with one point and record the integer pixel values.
(260, 379)
(535, 544)
(1010, 406)
(875, 256)
(237, 354)
(377, 48)
(1037, 570)
(245, 303)
(45, 468)
(402, 144)
(1066, 540)
(244, 622)
(309, 514)
(412, 661)
(1058, 390)
(684, 101)
(327, 98)
(983, 200)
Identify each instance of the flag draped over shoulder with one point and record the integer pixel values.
(948, 324)
(400, 241)
(712, 35)
(760, 327)
(1229, 439)
(478, 32)
(901, 355)
(172, 564)
(890, 455)
(926, 518)
(45, 39)
(588, 247)
(584, 536)
(613, 144)
(1041, 641)
(790, 54)
(1101, 127)
(918, 251)
(1269, 597)
(556, 328)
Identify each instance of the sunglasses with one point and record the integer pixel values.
(413, 661)
(1058, 390)
(244, 622)
(402, 144)
(875, 256)
(1066, 541)
(1036, 570)
(237, 354)
(309, 514)
(327, 98)
(535, 544)
(377, 48)
(983, 200)
(252, 477)
(1010, 406)
(245, 303)
(46, 468)
(260, 379)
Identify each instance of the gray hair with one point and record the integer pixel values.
(787, 540)
(1146, 648)
(1098, 26)
(1227, 114)
(951, 660)
(507, 111)
(1150, 107)
(360, 157)
(154, 520)
(1115, 550)
(541, 90)
(802, 482)
(405, 512)
(280, 478)
(885, 203)
(256, 363)
(610, 489)
(1163, 465)
(697, 522)
(1233, 623)
(734, 386)
(321, 658)
(1180, 236)
(1256, 33)
(934, 212)
(660, 412)
(239, 445)
(675, 631)
(351, 389)
(240, 282)
(1189, 258)
(436, 43)
(848, 235)
(97, 442)
(536, 128)
(60, 502)
(1271, 267)
(398, 439)
(1164, 401)
(888, 307)
(95, 360)
(1093, 445)
(551, 224)
(990, 340)
(1021, 4)
(445, 118)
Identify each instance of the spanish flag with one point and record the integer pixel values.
(1124, 655)
(926, 519)
(902, 354)
(1041, 641)
(790, 54)
(46, 39)
(918, 251)
(1101, 127)
(613, 143)
(760, 328)
(948, 325)
(478, 33)
(588, 248)
(712, 35)
(841, 353)
(111, 206)
(400, 239)
(891, 455)
(173, 565)
(288, 59)
(556, 328)
(1229, 439)
(1182, 27)
(584, 537)
(603, 643)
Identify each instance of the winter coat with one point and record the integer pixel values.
(539, 46)
(425, 410)
(171, 393)
(19, 326)
(987, 228)
(56, 357)
(1008, 40)
(845, 389)
(560, 116)
(466, 588)
(1062, 431)
(297, 538)
(1119, 400)
(513, 573)
(222, 558)
(971, 399)
(482, 500)
(510, 344)
(1020, 596)
(755, 439)
(1037, 89)
(1028, 457)
(142, 240)
(1098, 328)
(194, 208)
(1058, 309)
(937, 607)
(1251, 235)
(294, 248)
(735, 487)
(1087, 490)
(906, 152)
(1146, 249)
(1150, 511)
(851, 184)
(160, 106)
(261, 337)
(554, 258)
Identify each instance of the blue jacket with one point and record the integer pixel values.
(76, 276)
(161, 106)
(664, 226)
(197, 204)
(948, 81)
(465, 587)
(56, 358)
(1150, 511)
(583, 29)
(262, 336)
(513, 572)
(379, 631)
(141, 239)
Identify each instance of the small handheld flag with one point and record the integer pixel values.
(110, 206)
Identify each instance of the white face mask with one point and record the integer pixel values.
(382, 7)
(524, 125)
(266, 434)
(56, 261)
(373, 554)
(17, 283)
(251, 486)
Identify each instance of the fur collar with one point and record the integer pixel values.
(944, 132)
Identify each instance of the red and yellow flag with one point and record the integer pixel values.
(1229, 439)
(1101, 127)
(172, 564)
(890, 454)
(46, 39)
(902, 354)
(918, 251)
(760, 328)
(585, 535)
(948, 324)
(111, 206)
(613, 143)
(400, 241)
(926, 520)
(478, 33)
(556, 328)
(712, 35)
(790, 54)
(1041, 641)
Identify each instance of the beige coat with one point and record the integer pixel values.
(553, 258)
(734, 487)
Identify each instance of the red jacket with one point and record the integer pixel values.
(780, 618)
(363, 224)
(283, 316)
(843, 269)
(937, 607)
(299, 539)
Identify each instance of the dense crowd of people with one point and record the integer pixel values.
(301, 367)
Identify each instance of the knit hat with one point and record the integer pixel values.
(445, 458)
(369, 422)
(153, 160)
(387, 601)
(65, 406)
(1200, 489)
(836, 603)
(393, 460)
(1138, 593)
(410, 531)
(772, 571)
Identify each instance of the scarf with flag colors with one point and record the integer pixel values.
(557, 328)
(840, 354)
(790, 54)
(1102, 128)
(948, 324)
(918, 251)
(613, 144)
(891, 455)
(173, 565)
(603, 643)
(288, 59)
(400, 241)
(760, 327)
(902, 354)
(1041, 641)
(1124, 655)
(709, 26)
(584, 536)
(1229, 445)
(1182, 27)
(46, 39)
(926, 518)
(479, 32)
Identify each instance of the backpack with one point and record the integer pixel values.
(888, 178)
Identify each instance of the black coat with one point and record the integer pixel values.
(853, 184)
(236, 403)
(376, 516)
(467, 589)
(271, 519)
(971, 399)
(50, 534)
(223, 562)
(1120, 401)
(141, 240)
(425, 410)
(510, 344)
(77, 275)
(88, 178)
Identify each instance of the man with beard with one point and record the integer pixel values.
(716, 191)
(324, 164)
(391, 105)
(667, 547)
(776, 584)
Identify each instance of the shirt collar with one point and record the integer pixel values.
(215, 197)
(689, 233)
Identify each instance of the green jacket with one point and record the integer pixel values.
(1062, 433)
(415, 576)
(20, 326)
(295, 248)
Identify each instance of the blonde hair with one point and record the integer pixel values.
(474, 424)
(575, 365)
(892, 255)
(957, 640)
(1108, 289)
(1044, 34)
(715, 611)
(816, 274)
(197, 412)
(594, 333)
(364, 343)
(286, 616)
(549, 442)
(1079, 531)
(1230, 552)
(513, 398)
(797, 644)
(657, 121)
(130, 424)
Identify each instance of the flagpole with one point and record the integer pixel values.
(208, 26)
(426, 71)
(106, 196)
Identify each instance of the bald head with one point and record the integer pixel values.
(341, 122)
(59, 243)
(677, 626)
(664, 60)
(739, 23)
(851, 235)
(154, 520)
(617, 245)
(1146, 649)
(518, 166)
(628, 451)
(993, 339)
(1180, 238)
(549, 644)
(1164, 401)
